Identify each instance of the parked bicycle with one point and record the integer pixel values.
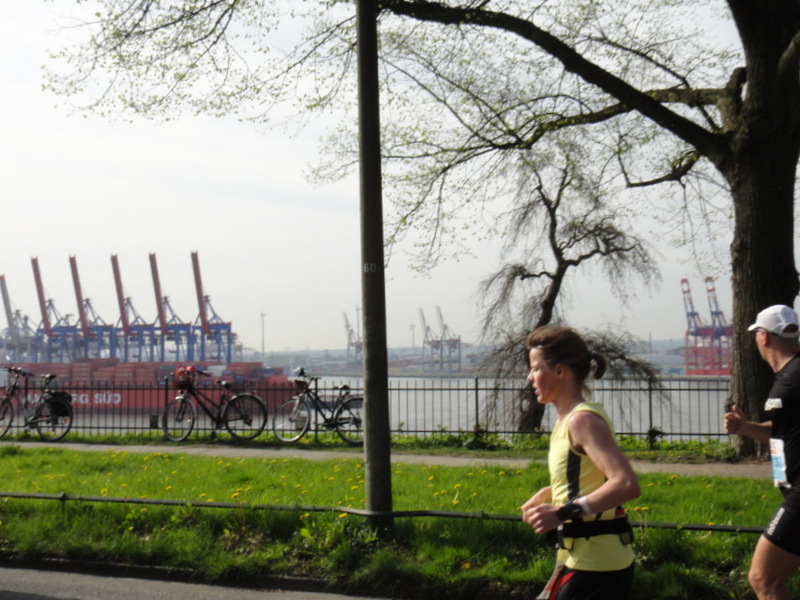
(243, 415)
(344, 413)
(50, 415)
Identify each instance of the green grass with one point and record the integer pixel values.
(451, 557)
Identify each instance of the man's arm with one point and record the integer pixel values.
(737, 424)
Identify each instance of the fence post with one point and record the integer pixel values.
(477, 409)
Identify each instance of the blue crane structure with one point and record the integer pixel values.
(140, 339)
(63, 339)
(97, 337)
(215, 336)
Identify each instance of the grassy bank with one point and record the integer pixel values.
(452, 557)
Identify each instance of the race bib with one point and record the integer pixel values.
(778, 463)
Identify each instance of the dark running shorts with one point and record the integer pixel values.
(593, 585)
(782, 529)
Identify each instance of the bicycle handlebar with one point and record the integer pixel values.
(19, 371)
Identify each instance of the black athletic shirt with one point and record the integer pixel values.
(783, 409)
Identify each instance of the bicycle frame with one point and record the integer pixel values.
(294, 417)
(203, 400)
(319, 405)
(244, 415)
(13, 389)
(50, 414)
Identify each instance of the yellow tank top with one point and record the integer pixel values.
(573, 474)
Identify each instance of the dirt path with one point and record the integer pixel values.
(750, 469)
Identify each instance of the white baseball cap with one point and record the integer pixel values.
(775, 320)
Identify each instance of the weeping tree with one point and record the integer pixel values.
(703, 127)
(562, 223)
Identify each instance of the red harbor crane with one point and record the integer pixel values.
(708, 347)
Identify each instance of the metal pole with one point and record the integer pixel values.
(377, 452)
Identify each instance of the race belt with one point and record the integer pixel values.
(587, 529)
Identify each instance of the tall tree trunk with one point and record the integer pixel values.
(762, 257)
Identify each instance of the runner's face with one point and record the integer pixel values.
(544, 379)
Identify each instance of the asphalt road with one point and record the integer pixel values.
(29, 584)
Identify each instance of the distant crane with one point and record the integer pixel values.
(18, 341)
(140, 339)
(172, 328)
(98, 339)
(215, 334)
(707, 348)
(429, 340)
(451, 343)
(56, 339)
(353, 341)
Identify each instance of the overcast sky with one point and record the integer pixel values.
(269, 242)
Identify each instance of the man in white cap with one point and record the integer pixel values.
(777, 553)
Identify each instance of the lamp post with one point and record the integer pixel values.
(262, 335)
(377, 441)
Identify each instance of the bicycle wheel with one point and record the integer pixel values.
(292, 419)
(244, 416)
(6, 415)
(349, 421)
(179, 417)
(52, 419)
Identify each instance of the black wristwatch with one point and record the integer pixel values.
(569, 512)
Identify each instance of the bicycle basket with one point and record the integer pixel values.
(185, 377)
(300, 384)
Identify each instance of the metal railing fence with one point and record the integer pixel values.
(682, 408)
